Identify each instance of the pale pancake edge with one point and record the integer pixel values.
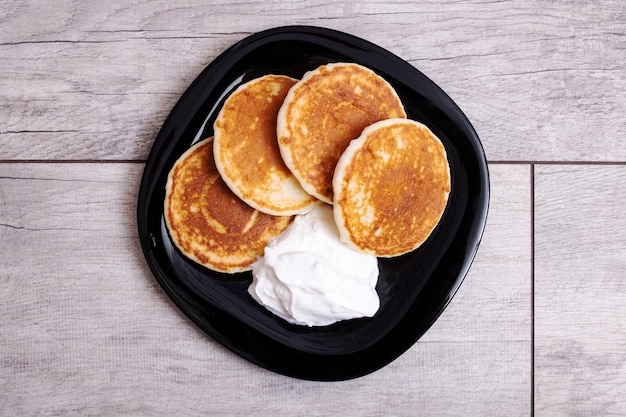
(323, 112)
(246, 149)
(207, 222)
(391, 188)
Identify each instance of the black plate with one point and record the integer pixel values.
(414, 289)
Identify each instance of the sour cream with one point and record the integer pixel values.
(309, 277)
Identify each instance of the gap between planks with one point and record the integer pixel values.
(532, 290)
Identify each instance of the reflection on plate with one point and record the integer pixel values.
(414, 288)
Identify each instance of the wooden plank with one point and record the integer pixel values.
(86, 329)
(539, 80)
(580, 262)
(80, 101)
(497, 289)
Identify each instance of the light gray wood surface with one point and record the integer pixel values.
(86, 329)
(539, 80)
(535, 329)
(580, 290)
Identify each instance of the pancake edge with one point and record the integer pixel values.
(217, 156)
(281, 120)
(168, 192)
(338, 177)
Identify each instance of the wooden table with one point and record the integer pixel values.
(537, 328)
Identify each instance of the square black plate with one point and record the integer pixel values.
(414, 288)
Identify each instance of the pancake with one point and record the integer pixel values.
(246, 151)
(207, 222)
(323, 112)
(391, 188)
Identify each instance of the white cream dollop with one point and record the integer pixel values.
(308, 276)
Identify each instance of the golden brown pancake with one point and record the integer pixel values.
(323, 112)
(246, 151)
(207, 222)
(391, 188)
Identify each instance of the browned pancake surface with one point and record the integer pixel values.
(246, 148)
(323, 112)
(207, 222)
(391, 188)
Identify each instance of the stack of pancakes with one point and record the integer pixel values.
(337, 136)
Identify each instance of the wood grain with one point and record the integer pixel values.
(86, 330)
(539, 80)
(580, 262)
(498, 288)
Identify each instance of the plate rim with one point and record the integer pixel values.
(255, 40)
